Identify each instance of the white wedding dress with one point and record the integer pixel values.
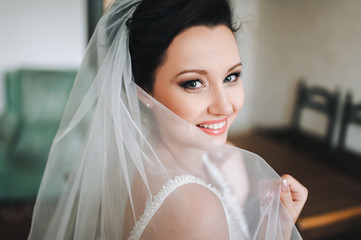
(171, 186)
(234, 214)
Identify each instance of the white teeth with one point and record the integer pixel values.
(214, 126)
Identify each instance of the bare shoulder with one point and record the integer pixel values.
(192, 211)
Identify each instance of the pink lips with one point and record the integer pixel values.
(215, 127)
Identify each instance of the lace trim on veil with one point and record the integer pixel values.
(167, 189)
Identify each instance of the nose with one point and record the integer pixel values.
(220, 103)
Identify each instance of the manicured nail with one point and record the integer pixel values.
(285, 187)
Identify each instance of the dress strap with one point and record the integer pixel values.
(167, 189)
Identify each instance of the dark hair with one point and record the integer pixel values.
(155, 23)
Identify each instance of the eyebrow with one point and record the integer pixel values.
(236, 65)
(203, 72)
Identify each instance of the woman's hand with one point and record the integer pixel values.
(293, 196)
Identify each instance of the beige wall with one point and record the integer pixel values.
(316, 40)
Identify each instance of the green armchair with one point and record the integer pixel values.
(35, 101)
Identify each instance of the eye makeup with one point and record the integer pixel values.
(192, 84)
(232, 77)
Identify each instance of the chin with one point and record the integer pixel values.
(221, 138)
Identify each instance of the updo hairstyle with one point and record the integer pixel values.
(155, 23)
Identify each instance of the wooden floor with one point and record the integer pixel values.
(333, 209)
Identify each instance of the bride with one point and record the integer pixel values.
(142, 153)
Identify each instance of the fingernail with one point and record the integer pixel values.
(285, 187)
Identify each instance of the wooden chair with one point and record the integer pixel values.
(347, 160)
(314, 98)
(318, 99)
(351, 115)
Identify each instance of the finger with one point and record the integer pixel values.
(298, 191)
(286, 199)
(299, 194)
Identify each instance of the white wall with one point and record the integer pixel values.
(41, 33)
(317, 40)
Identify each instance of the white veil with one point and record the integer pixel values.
(117, 164)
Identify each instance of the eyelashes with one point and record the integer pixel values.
(233, 77)
(195, 84)
(192, 84)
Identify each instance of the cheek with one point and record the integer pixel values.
(236, 97)
(187, 107)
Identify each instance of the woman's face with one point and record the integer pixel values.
(200, 79)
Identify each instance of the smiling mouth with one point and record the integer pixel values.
(214, 127)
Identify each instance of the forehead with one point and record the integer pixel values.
(203, 47)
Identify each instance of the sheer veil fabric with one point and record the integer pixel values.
(121, 162)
